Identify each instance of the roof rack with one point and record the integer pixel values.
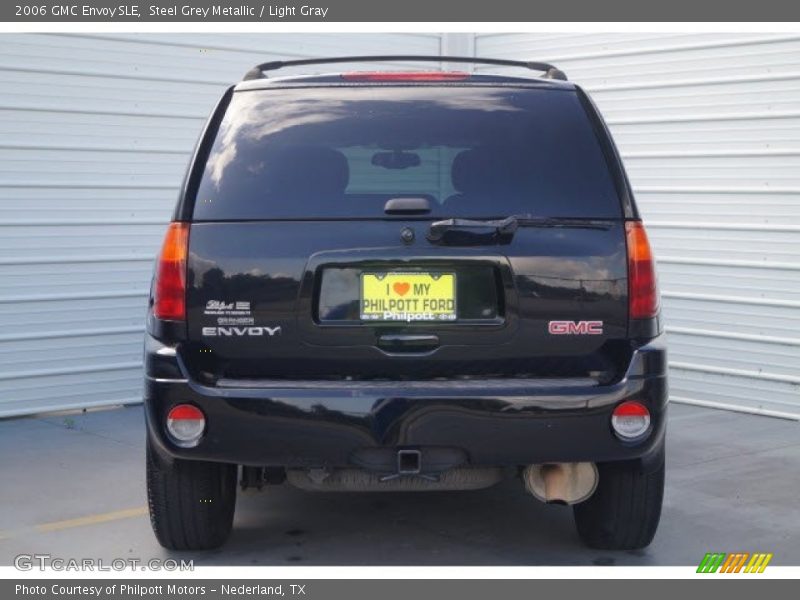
(550, 72)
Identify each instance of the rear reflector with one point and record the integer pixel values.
(405, 76)
(169, 300)
(642, 285)
(186, 424)
(630, 420)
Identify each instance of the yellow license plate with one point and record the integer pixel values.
(408, 297)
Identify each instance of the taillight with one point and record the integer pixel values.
(170, 285)
(642, 285)
(405, 76)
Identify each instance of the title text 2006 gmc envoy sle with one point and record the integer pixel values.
(406, 281)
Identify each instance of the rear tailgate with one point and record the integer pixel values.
(284, 301)
(297, 271)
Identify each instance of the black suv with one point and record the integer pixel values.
(410, 281)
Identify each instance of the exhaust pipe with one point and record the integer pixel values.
(561, 483)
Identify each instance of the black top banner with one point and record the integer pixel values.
(445, 11)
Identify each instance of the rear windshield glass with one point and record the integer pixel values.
(346, 151)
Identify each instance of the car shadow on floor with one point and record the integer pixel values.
(502, 525)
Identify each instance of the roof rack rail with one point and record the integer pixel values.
(550, 72)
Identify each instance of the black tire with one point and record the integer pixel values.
(624, 511)
(191, 502)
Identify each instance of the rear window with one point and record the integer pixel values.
(345, 151)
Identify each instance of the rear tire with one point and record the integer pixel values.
(624, 511)
(191, 502)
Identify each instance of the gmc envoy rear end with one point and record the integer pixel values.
(406, 281)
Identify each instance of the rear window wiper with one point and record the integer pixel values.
(503, 229)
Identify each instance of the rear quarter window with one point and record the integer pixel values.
(339, 152)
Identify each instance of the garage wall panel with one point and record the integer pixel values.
(95, 134)
(709, 128)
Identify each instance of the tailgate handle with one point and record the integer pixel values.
(408, 342)
(407, 205)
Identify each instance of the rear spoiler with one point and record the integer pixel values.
(550, 72)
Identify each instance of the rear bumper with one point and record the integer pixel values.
(323, 424)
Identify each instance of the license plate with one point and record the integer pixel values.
(408, 297)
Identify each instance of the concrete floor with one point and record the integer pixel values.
(73, 487)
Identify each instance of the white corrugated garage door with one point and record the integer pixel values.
(709, 127)
(95, 133)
